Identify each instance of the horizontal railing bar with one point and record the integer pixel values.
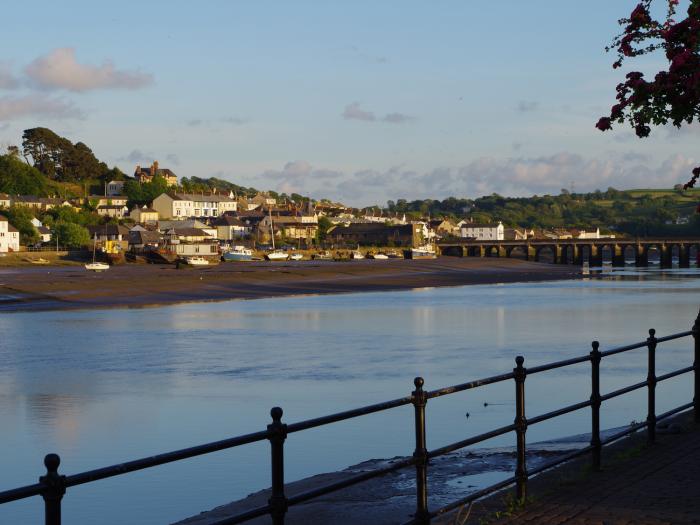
(161, 459)
(332, 487)
(558, 364)
(348, 414)
(560, 460)
(625, 390)
(21, 492)
(248, 515)
(629, 430)
(471, 384)
(621, 349)
(675, 411)
(559, 412)
(674, 336)
(470, 441)
(675, 373)
(472, 497)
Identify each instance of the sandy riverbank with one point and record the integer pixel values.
(58, 288)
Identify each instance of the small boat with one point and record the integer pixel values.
(377, 256)
(296, 257)
(357, 255)
(422, 252)
(277, 256)
(40, 260)
(394, 255)
(96, 266)
(196, 261)
(238, 253)
(322, 256)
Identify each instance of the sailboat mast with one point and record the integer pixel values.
(272, 230)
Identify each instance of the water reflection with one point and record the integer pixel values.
(104, 386)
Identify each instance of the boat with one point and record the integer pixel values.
(322, 256)
(394, 255)
(238, 253)
(357, 255)
(277, 255)
(40, 260)
(96, 266)
(426, 251)
(196, 260)
(377, 256)
(296, 257)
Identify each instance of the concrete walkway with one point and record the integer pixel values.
(640, 485)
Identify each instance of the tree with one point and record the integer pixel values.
(17, 178)
(674, 94)
(71, 235)
(21, 218)
(324, 224)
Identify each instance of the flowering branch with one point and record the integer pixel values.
(674, 94)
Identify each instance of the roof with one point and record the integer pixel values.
(144, 237)
(190, 232)
(163, 172)
(228, 220)
(187, 223)
(481, 225)
(11, 228)
(43, 230)
(111, 207)
(202, 197)
(373, 227)
(108, 229)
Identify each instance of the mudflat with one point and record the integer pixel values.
(133, 285)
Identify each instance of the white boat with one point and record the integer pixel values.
(378, 256)
(277, 255)
(238, 253)
(96, 266)
(426, 251)
(296, 257)
(197, 261)
(357, 255)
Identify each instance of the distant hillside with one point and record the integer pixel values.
(634, 212)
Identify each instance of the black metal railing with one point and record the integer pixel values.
(52, 486)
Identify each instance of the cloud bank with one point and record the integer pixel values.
(59, 69)
(37, 106)
(353, 111)
(515, 176)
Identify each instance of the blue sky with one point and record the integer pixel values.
(356, 101)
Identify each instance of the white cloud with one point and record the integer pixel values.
(354, 112)
(37, 106)
(136, 155)
(59, 69)
(525, 106)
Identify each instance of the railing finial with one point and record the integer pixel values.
(419, 382)
(652, 333)
(276, 414)
(55, 488)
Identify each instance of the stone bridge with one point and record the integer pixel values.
(576, 251)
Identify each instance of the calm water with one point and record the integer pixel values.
(100, 387)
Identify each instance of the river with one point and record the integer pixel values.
(104, 386)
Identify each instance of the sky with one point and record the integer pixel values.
(360, 101)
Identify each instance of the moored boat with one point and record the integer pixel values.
(238, 253)
(357, 255)
(377, 256)
(277, 255)
(426, 251)
(296, 257)
(322, 256)
(97, 266)
(196, 261)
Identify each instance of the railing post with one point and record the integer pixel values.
(55, 489)
(651, 388)
(277, 434)
(696, 365)
(595, 404)
(419, 400)
(520, 428)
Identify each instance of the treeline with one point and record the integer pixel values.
(635, 212)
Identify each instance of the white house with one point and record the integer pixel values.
(114, 211)
(229, 227)
(483, 232)
(4, 200)
(9, 237)
(591, 234)
(114, 187)
(184, 205)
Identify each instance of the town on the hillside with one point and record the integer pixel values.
(178, 224)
